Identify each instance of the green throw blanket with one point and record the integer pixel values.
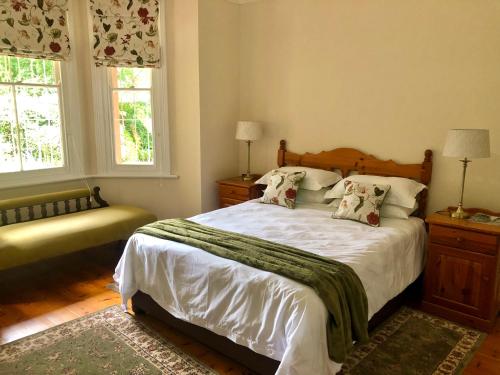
(334, 282)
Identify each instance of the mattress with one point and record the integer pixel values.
(268, 313)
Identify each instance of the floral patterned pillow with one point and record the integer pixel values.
(362, 202)
(282, 188)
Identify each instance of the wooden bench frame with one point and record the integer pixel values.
(48, 213)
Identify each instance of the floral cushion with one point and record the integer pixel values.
(362, 202)
(282, 188)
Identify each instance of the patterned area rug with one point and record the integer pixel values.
(412, 342)
(106, 342)
(112, 342)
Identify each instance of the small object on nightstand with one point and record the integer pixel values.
(485, 218)
(462, 276)
(236, 190)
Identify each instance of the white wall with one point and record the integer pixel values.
(388, 77)
(219, 94)
(173, 197)
(203, 94)
(194, 57)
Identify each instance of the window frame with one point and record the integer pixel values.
(103, 115)
(70, 128)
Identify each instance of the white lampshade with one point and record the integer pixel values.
(469, 143)
(248, 130)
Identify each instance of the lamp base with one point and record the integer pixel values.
(247, 177)
(460, 213)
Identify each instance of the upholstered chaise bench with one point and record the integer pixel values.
(43, 226)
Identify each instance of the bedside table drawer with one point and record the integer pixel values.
(226, 202)
(235, 192)
(468, 240)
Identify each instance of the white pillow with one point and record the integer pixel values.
(387, 210)
(403, 190)
(315, 179)
(311, 196)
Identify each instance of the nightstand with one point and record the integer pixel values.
(235, 190)
(462, 276)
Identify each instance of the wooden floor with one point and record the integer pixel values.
(54, 296)
(46, 298)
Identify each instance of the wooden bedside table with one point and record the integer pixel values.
(462, 276)
(235, 191)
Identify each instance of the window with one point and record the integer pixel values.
(132, 116)
(40, 101)
(31, 124)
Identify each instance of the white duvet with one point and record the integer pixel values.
(268, 313)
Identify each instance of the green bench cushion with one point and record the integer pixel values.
(28, 242)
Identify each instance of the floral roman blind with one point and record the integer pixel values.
(126, 33)
(34, 28)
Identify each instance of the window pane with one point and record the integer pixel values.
(30, 119)
(9, 155)
(139, 78)
(15, 69)
(133, 130)
(5, 68)
(40, 125)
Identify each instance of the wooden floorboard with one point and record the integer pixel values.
(40, 301)
(487, 358)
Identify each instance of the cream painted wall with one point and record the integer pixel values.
(165, 197)
(203, 67)
(40, 189)
(388, 77)
(219, 94)
(173, 197)
(203, 84)
(203, 80)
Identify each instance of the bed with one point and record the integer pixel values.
(265, 321)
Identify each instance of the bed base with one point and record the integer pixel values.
(142, 303)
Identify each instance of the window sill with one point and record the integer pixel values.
(55, 180)
(135, 176)
(39, 181)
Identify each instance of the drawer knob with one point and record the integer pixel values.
(460, 239)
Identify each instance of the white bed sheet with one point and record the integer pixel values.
(270, 314)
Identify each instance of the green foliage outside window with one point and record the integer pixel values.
(25, 70)
(36, 137)
(135, 116)
(137, 140)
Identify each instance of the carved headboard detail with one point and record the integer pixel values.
(349, 160)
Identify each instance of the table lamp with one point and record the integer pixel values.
(248, 131)
(466, 143)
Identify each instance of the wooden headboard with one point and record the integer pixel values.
(348, 160)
